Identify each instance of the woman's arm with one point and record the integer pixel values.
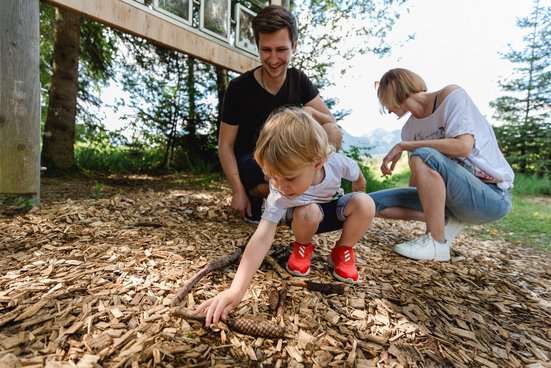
(460, 146)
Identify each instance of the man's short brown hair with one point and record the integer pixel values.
(273, 18)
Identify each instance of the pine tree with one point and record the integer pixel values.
(525, 136)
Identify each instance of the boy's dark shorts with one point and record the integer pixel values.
(333, 214)
(249, 171)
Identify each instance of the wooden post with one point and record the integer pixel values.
(19, 97)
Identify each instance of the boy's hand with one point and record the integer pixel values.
(219, 307)
(359, 184)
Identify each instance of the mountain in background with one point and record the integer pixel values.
(377, 142)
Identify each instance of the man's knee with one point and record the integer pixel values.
(260, 190)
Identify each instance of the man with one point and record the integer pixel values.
(253, 96)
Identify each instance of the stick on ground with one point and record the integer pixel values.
(212, 266)
(317, 286)
(281, 306)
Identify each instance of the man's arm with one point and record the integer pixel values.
(320, 112)
(226, 141)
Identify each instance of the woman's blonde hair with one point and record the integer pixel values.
(397, 85)
(289, 140)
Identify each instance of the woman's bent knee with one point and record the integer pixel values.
(359, 203)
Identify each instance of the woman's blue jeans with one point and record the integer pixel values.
(467, 198)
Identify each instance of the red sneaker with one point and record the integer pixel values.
(299, 261)
(342, 262)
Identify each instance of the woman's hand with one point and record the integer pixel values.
(219, 307)
(391, 158)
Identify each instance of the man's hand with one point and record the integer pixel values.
(240, 203)
(391, 158)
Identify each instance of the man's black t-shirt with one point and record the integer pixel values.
(248, 105)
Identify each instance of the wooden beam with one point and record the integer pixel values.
(135, 19)
(19, 97)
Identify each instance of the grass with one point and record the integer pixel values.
(528, 223)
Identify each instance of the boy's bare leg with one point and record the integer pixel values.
(359, 211)
(306, 220)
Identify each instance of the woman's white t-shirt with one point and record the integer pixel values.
(458, 115)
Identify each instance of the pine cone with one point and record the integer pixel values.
(256, 327)
(273, 298)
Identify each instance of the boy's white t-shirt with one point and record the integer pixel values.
(458, 115)
(336, 167)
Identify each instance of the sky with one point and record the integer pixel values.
(456, 42)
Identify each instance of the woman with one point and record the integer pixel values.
(458, 173)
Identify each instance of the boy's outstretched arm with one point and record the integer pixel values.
(257, 248)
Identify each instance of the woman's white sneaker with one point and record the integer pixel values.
(424, 248)
(452, 228)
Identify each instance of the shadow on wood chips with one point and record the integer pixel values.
(88, 277)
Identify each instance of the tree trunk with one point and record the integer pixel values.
(192, 95)
(222, 81)
(59, 131)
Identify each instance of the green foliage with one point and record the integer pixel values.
(527, 147)
(25, 203)
(97, 52)
(119, 159)
(363, 158)
(532, 185)
(99, 150)
(96, 191)
(197, 165)
(525, 136)
(172, 103)
(11, 204)
(331, 33)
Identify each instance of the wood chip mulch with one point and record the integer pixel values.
(88, 282)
